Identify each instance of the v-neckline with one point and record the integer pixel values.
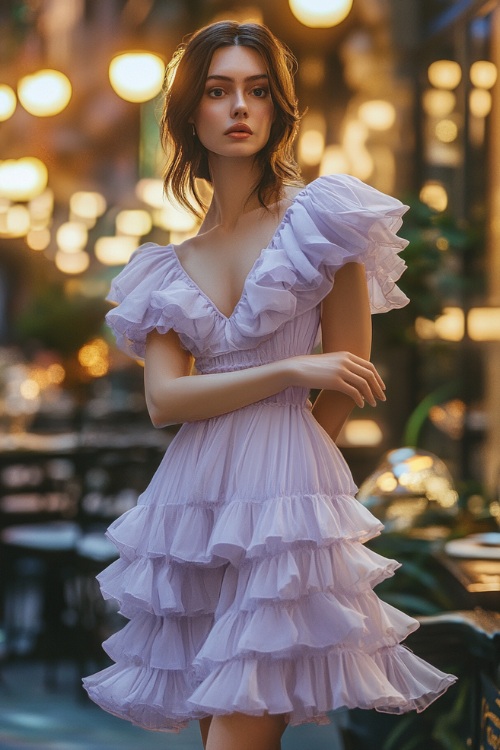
(210, 301)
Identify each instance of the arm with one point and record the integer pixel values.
(173, 395)
(346, 326)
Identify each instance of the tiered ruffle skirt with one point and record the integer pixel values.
(243, 573)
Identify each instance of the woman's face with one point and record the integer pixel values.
(235, 113)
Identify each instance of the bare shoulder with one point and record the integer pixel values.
(193, 244)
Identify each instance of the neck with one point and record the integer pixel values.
(233, 180)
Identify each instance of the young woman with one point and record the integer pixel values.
(242, 569)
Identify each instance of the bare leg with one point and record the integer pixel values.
(204, 727)
(242, 732)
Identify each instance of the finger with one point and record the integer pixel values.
(370, 366)
(369, 386)
(361, 386)
(353, 393)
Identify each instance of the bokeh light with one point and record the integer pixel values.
(8, 102)
(137, 76)
(44, 93)
(320, 13)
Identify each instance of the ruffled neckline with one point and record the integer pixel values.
(332, 221)
(257, 263)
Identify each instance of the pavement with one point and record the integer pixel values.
(34, 718)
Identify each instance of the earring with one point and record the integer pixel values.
(194, 130)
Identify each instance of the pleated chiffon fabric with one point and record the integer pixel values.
(242, 569)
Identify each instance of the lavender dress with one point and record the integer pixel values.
(242, 569)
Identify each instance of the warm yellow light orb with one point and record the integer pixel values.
(320, 13)
(377, 114)
(445, 74)
(44, 93)
(483, 74)
(150, 191)
(41, 209)
(71, 237)
(114, 251)
(438, 102)
(72, 262)
(87, 205)
(362, 432)
(311, 147)
(8, 102)
(137, 76)
(17, 221)
(135, 222)
(450, 326)
(446, 131)
(434, 195)
(483, 323)
(38, 239)
(480, 101)
(22, 179)
(334, 161)
(174, 218)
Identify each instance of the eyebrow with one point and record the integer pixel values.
(257, 77)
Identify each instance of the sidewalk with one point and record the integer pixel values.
(33, 719)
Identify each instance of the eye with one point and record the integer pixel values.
(260, 92)
(216, 93)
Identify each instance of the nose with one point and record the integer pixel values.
(239, 105)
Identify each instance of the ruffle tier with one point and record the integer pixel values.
(335, 220)
(286, 623)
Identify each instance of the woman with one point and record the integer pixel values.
(242, 568)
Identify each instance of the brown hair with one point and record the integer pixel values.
(185, 80)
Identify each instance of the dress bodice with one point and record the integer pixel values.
(333, 221)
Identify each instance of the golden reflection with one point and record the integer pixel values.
(408, 484)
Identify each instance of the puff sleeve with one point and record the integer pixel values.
(132, 290)
(336, 220)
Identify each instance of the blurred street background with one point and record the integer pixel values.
(403, 94)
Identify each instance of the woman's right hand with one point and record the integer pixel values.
(339, 371)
